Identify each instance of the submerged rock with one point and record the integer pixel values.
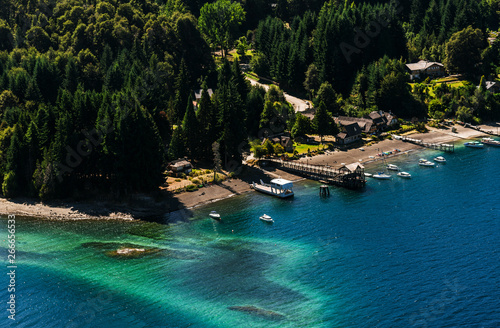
(125, 250)
(128, 252)
(253, 310)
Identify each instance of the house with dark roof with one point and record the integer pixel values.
(365, 124)
(425, 68)
(378, 119)
(349, 134)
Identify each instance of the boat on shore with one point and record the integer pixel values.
(474, 144)
(382, 176)
(440, 159)
(404, 175)
(266, 218)
(392, 167)
(424, 162)
(278, 187)
(214, 215)
(490, 142)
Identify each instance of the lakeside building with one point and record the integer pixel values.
(350, 133)
(425, 68)
(179, 166)
(376, 121)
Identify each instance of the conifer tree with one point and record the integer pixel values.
(176, 148)
(323, 122)
(208, 122)
(191, 129)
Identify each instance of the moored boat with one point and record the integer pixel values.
(490, 142)
(392, 167)
(266, 218)
(424, 162)
(382, 176)
(405, 175)
(473, 144)
(368, 175)
(440, 159)
(278, 187)
(214, 215)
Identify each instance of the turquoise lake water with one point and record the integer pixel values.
(402, 253)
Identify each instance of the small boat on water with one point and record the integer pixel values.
(424, 162)
(490, 142)
(440, 159)
(405, 175)
(214, 215)
(474, 144)
(368, 175)
(266, 218)
(392, 167)
(382, 176)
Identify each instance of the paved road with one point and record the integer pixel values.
(298, 104)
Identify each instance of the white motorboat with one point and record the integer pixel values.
(473, 144)
(392, 167)
(368, 175)
(405, 175)
(381, 176)
(278, 187)
(490, 142)
(214, 215)
(266, 218)
(440, 159)
(424, 162)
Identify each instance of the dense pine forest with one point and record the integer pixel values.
(98, 95)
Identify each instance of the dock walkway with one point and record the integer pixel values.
(443, 147)
(478, 128)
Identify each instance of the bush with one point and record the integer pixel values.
(191, 188)
(196, 181)
(183, 175)
(177, 180)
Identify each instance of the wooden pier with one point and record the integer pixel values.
(442, 147)
(478, 128)
(350, 176)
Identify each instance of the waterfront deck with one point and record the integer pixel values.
(348, 176)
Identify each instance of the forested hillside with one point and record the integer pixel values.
(97, 95)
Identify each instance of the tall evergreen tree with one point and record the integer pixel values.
(323, 122)
(191, 129)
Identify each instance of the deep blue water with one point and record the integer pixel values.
(402, 253)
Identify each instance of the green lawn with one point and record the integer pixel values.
(303, 148)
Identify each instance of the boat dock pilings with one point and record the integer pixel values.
(442, 147)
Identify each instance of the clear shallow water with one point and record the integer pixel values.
(403, 253)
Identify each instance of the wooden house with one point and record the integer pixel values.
(350, 133)
(425, 68)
